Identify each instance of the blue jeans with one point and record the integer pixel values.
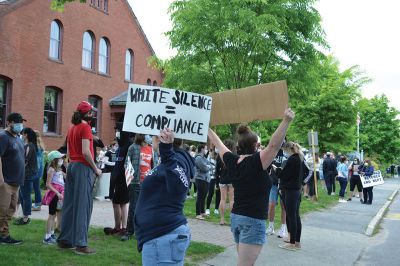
(343, 185)
(248, 230)
(168, 249)
(273, 195)
(25, 196)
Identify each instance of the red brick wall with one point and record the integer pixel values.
(24, 49)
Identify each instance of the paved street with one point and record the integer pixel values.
(333, 236)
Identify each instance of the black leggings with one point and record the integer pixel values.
(292, 199)
(211, 187)
(202, 188)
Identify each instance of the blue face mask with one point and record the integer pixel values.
(17, 128)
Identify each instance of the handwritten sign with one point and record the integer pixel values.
(373, 180)
(150, 109)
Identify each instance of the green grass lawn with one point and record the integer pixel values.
(110, 250)
(306, 206)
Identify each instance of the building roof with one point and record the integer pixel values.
(119, 100)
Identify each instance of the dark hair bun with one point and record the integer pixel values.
(243, 129)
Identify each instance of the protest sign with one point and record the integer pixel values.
(373, 180)
(150, 109)
(260, 102)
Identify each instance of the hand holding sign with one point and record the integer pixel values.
(166, 136)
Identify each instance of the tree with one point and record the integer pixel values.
(379, 129)
(229, 44)
(59, 4)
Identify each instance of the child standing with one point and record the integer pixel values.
(54, 194)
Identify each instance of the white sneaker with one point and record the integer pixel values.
(270, 230)
(195, 195)
(216, 212)
(332, 193)
(343, 201)
(282, 232)
(207, 211)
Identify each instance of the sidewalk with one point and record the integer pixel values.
(333, 236)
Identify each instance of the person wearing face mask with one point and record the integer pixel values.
(54, 194)
(12, 173)
(81, 173)
(355, 179)
(31, 169)
(368, 170)
(202, 179)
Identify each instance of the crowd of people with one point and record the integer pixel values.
(151, 177)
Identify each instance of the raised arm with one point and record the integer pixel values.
(217, 143)
(268, 154)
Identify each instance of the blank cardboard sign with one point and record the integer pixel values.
(261, 102)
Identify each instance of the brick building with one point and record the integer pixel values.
(50, 61)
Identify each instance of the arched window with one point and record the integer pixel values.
(5, 87)
(55, 40)
(104, 56)
(52, 110)
(149, 82)
(96, 102)
(128, 65)
(155, 83)
(88, 50)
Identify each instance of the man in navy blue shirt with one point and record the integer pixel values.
(12, 173)
(161, 228)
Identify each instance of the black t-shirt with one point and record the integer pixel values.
(292, 174)
(251, 185)
(31, 166)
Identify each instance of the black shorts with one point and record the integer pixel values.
(53, 206)
(119, 190)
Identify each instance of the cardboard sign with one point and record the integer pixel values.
(260, 102)
(373, 180)
(150, 109)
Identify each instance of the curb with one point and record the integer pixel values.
(378, 217)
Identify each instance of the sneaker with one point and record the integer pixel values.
(53, 236)
(195, 195)
(349, 199)
(343, 201)
(357, 196)
(21, 221)
(84, 251)
(282, 232)
(332, 193)
(216, 212)
(8, 240)
(36, 207)
(270, 230)
(49, 241)
(207, 212)
(126, 237)
(199, 217)
(288, 246)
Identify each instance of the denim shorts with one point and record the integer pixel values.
(247, 230)
(167, 249)
(273, 195)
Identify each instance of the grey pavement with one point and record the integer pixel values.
(334, 236)
(383, 248)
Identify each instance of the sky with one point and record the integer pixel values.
(359, 32)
